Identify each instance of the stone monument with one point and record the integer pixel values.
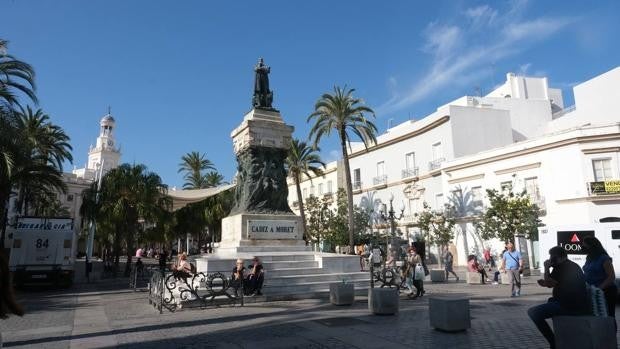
(261, 215)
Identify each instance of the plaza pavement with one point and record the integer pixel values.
(106, 315)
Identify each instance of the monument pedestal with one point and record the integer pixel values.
(251, 229)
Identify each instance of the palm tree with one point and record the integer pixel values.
(303, 160)
(213, 179)
(193, 164)
(15, 77)
(342, 113)
(129, 194)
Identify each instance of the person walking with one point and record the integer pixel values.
(569, 292)
(448, 262)
(599, 272)
(414, 262)
(512, 264)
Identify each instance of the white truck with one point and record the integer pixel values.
(570, 237)
(43, 251)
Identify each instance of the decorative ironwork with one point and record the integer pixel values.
(170, 290)
(435, 164)
(379, 180)
(410, 172)
(387, 277)
(139, 276)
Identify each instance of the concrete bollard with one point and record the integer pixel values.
(474, 277)
(449, 313)
(438, 275)
(584, 332)
(383, 301)
(341, 293)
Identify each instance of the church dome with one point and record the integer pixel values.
(107, 119)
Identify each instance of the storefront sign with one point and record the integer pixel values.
(606, 187)
(571, 241)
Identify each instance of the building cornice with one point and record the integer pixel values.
(535, 149)
(411, 134)
(465, 179)
(601, 150)
(518, 168)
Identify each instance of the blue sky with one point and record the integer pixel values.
(178, 75)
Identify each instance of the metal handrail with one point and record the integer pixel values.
(379, 180)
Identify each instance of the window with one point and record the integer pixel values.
(312, 190)
(615, 234)
(70, 197)
(437, 151)
(357, 178)
(457, 194)
(476, 196)
(410, 161)
(531, 187)
(305, 195)
(329, 187)
(602, 169)
(380, 168)
(320, 188)
(439, 202)
(414, 206)
(506, 186)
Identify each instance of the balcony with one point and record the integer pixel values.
(357, 185)
(379, 180)
(410, 172)
(602, 188)
(435, 164)
(539, 201)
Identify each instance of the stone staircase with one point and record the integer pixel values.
(292, 274)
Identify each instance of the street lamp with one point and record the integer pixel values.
(392, 218)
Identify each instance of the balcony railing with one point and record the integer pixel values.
(608, 187)
(379, 180)
(410, 172)
(357, 185)
(539, 201)
(435, 164)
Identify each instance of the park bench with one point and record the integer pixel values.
(174, 291)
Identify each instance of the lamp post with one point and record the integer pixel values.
(392, 218)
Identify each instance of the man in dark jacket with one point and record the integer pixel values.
(570, 296)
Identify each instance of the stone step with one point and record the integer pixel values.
(251, 249)
(306, 287)
(293, 271)
(300, 279)
(289, 264)
(285, 257)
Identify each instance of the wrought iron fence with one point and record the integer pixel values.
(169, 290)
(139, 276)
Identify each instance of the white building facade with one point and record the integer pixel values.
(519, 135)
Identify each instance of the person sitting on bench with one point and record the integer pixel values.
(183, 269)
(254, 279)
(569, 292)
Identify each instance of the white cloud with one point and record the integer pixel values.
(523, 68)
(481, 15)
(462, 52)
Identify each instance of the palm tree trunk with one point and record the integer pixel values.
(301, 207)
(347, 178)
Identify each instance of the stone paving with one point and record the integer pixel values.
(106, 316)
